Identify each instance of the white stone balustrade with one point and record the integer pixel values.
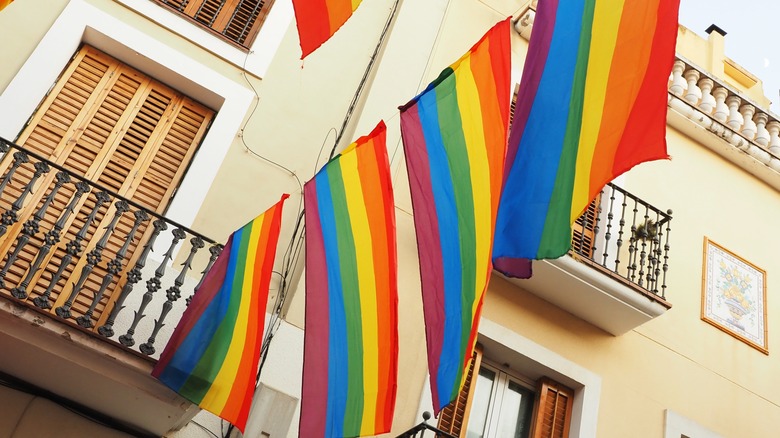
(715, 99)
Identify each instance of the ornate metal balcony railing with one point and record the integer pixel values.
(86, 255)
(625, 237)
(419, 430)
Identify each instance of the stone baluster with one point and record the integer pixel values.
(172, 294)
(748, 126)
(774, 137)
(678, 82)
(51, 238)
(707, 103)
(31, 228)
(735, 119)
(692, 94)
(762, 135)
(152, 286)
(721, 109)
(73, 249)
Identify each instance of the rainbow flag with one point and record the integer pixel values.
(4, 3)
(454, 136)
(318, 20)
(350, 356)
(592, 105)
(212, 356)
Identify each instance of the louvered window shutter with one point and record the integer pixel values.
(115, 126)
(513, 104)
(584, 230)
(237, 20)
(552, 412)
(454, 418)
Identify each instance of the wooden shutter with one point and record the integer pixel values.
(115, 126)
(454, 418)
(584, 230)
(552, 411)
(513, 104)
(237, 20)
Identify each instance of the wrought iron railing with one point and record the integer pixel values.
(627, 238)
(419, 430)
(92, 258)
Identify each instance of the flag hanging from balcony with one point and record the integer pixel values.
(592, 105)
(350, 354)
(318, 20)
(212, 356)
(454, 136)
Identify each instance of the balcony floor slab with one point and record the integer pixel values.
(592, 295)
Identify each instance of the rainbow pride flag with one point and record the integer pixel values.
(212, 356)
(4, 3)
(350, 356)
(454, 136)
(318, 20)
(592, 105)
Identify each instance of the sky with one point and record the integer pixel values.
(752, 35)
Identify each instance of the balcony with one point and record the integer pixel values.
(615, 273)
(723, 119)
(92, 286)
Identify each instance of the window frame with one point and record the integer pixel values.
(497, 394)
(221, 20)
(80, 23)
(255, 60)
(535, 360)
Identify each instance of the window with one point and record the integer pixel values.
(236, 20)
(498, 404)
(120, 128)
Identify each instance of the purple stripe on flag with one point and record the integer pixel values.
(544, 22)
(315, 378)
(427, 230)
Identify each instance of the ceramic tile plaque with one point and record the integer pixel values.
(734, 295)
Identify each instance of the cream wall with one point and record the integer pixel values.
(676, 361)
(301, 101)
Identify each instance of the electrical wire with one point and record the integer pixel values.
(322, 147)
(364, 80)
(294, 249)
(425, 69)
(246, 122)
(204, 428)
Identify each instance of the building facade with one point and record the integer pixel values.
(189, 118)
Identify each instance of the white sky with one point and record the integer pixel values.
(753, 35)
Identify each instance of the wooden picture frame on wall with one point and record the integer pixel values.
(733, 296)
